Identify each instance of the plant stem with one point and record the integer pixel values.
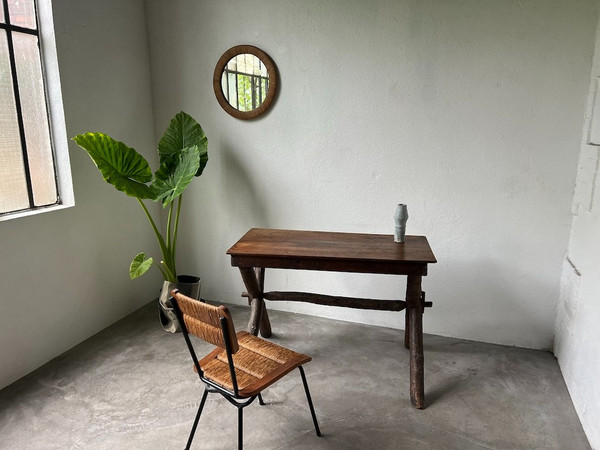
(168, 233)
(161, 271)
(169, 276)
(176, 226)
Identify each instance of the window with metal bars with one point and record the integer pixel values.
(246, 82)
(29, 172)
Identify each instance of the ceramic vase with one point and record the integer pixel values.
(400, 218)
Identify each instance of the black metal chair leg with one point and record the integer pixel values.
(189, 442)
(240, 428)
(260, 400)
(310, 404)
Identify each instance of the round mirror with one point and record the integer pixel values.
(245, 81)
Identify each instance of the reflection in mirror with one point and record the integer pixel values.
(245, 81)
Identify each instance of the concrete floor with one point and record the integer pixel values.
(132, 386)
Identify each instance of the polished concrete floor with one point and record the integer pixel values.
(132, 387)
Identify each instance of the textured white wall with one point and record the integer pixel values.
(65, 274)
(577, 344)
(469, 112)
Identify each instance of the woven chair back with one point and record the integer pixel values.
(204, 321)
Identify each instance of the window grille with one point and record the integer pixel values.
(246, 82)
(28, 169)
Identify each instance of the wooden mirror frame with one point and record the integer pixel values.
(271, 71)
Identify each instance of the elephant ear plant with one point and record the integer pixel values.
(183, 155)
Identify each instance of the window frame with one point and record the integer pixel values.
(56, 118)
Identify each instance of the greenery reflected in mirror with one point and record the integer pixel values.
(245, 81)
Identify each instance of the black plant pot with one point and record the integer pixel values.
(187, 285)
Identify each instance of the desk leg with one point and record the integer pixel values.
(265, 323)
(259, 319)
(414, 313)
(406, 329)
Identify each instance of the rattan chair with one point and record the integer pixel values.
(241, 366)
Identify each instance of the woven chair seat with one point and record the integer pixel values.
(258, 364)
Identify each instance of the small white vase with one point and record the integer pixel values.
(400, 218)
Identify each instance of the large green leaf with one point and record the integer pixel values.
(183, 132)
(140, 265)
(120, 165)
(175, 174)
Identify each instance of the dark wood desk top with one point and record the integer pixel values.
(340, 252)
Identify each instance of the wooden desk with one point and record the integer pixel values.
(261, 248)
